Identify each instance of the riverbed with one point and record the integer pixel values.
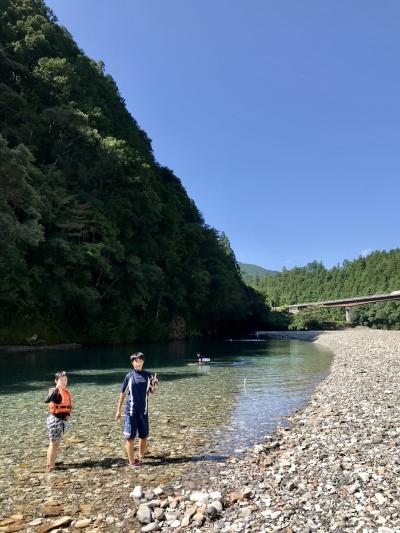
(200, 417)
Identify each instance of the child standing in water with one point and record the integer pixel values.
(138, 383)
(60, 407)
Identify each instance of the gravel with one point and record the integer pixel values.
(337, 466)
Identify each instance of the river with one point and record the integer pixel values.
(211, 410)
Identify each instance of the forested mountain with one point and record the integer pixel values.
(251, 272)
(379, 272)
(98, 242)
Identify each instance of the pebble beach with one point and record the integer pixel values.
(337, 467)
(333, 466)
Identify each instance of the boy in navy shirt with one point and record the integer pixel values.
(139, 383)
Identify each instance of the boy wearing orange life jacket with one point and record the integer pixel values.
(60, 407)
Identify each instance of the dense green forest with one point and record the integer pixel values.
(250, 272)
(379, 272)
(98, 242)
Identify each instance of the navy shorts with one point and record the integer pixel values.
(136, 424)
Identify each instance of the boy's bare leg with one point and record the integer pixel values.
(142, 447)
(130, 450)
(51, 454)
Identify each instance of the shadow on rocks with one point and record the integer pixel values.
(155, 461)
(151, 460)
(107, 462)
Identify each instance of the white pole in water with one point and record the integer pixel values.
(244, 383)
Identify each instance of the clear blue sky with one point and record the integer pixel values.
(280, 117)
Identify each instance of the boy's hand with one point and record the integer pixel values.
(153, 383)
(118, 414)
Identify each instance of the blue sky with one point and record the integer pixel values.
(280, 117)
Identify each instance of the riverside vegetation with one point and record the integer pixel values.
(379, 272)
(98, 242)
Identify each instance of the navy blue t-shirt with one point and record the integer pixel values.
(138, 386)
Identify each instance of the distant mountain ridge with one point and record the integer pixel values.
(255, 271)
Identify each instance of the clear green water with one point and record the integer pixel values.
(212, 410)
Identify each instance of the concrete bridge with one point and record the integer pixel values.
(348, 303)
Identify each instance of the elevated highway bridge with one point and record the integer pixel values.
(348, 303)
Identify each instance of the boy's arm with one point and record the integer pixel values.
(121, 397)
(119, 405)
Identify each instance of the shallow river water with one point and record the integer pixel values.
(199, 416)
(214, 410)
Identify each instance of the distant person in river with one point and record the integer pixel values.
(202, 359)
(60, 406)
(139, 383)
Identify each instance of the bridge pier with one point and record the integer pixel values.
(349, 314)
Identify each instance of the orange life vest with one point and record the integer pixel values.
(66, 404)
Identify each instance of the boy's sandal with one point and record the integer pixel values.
(135, 464)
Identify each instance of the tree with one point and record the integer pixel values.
(99, 242)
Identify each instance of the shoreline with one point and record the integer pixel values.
(307, 336)
(41, 347)
(75, 345)
(337, 466)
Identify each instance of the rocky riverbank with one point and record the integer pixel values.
(336, 468)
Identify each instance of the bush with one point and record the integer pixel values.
(315, 318)
(278, 321)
